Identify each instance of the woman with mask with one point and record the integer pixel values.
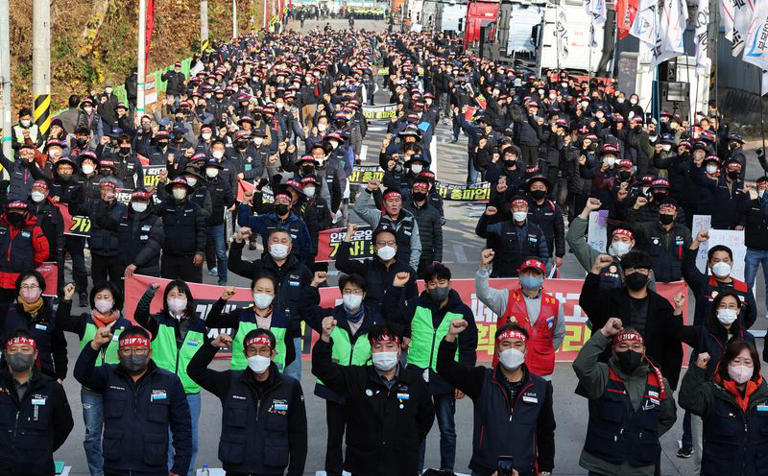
(34, 312)
(261, 314)
(106, 303)
(630, 403)
(732, 407)
(177, 334)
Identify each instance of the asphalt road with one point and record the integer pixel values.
(461, 252)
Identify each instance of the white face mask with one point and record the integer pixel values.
(211, 172)
(416, 168)
(352, 301)
(108, 90)
(53, 153)
(217, 154)
(633, 101)
(552, 97)
(511, 359)
(599, 114)
(206, 135)
(384, 361)
(322, 127)
(139, 207)
(740, 373)
(620, 100)
(386, 253)
(519, 216)
(262, 300)
(727, 316)
(721, 269)
(584, 104)
(179, 193)
(103, 305)
(279, 105)
(666, 147)
(760, 193)
(88, 110)
(609, 161)
(258, 140)
(259, 364)
(26, 123)
(37, 197)
(87, 169)
(278, 250)
(309, 191)
(192, 181)
(711, 169)
(619, 248)
(177, 305)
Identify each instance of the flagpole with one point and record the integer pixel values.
(760, 102)
(716, 55)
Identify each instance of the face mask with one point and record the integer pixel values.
(278, 251)
(760, 193)
(538, 194)
(552, 97)
(609, 161)
(620, 100)
(417, 168)
(307, 170)
(711, 169)
(666, 219)
(258, 141)
(629, 360)
(511, 359)
(625, 175)
(619, 248)
(217, 154)
(262, 300)
(108, 90)
(584, 104)
(519, 216)
(26, 123)
(633, 101)
(53, 153)
(177, 305)
(87, 169)
(134, 364)
(740, 373)
(352, 301)
(103, 305)
(163, 144)
(309, 192)
(721, 269)
(636, 281)
(439, 294)
(205, 135)
(727, 316)
(88, 110)
(510, 163)
(179, 193)
(139, 207)
(81, 142)
(384, 361)
(531, 283)
(322, 127)
(599, 115)
(259, 364)
(281, 209)
(386, 253)
(191, 181)
(37, 197)
(19, 362)
(733, 174)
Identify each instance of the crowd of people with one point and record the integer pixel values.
(280, 116)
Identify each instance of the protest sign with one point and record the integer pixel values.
(360, 245)
(385, 111)
(733, 239)
(597, 230)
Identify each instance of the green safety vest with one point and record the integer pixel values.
(240, 362)
(346, 354)
(425, 339)
(168, 356)
(108, 355)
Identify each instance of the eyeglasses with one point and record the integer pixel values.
(30, 286)
(134, 351)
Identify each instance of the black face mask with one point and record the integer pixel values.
(419, 196)
(666, 219)
(125, 150)
(281, 209)
(20, 362)
(629, 360)
(66, 177)
(241, 144)
(163, 144)
(134, 364)
(658, 197)
(15, 219)
(538, 194)
(625, 175)
(307, 170)
(82, 142)
(636, 281)
(733, 174)
(257, 117)
(510, 163)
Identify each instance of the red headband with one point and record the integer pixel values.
(285, 195)
(511, 334)
(520, 201)
(623, 232)
(21, 340)
(133, 341)
(40, 184)
(420, 185)
(386, 338)
(627, 336)
(108, 185)
(259, 340)
(392, 194)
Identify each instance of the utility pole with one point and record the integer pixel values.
(5, 76)
(142, 63)
(204, 43)
(41, 64)
(234, 18)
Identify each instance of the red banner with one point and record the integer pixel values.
(150, 25)
(74, 225)
(567, 291)
(625, 16)
(50, 272)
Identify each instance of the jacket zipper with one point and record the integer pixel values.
(432, 348)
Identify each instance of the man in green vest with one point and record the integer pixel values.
(427, 320)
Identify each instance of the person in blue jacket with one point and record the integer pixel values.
(141, 403)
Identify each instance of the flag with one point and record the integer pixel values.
(756, 38)
(701, 38)
(562, 33)
(669, 38)
(742, 15)
(726, 18)
(150, 26)
(626, 10)
(644, 26)
(596, 10)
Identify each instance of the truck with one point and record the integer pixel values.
(481, 24)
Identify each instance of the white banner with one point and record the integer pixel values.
(669, 44)
(742, 17)
(734, 240)
(756, 39)
(726, 18)
(701, 38)
(596, 10)
(597, 230)
(644, 27)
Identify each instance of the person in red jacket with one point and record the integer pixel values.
(22, 246)
(528, 306)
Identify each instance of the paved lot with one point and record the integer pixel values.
(461, 252)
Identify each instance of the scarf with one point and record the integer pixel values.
(102, 320)
(31, 308)
(730, 386)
